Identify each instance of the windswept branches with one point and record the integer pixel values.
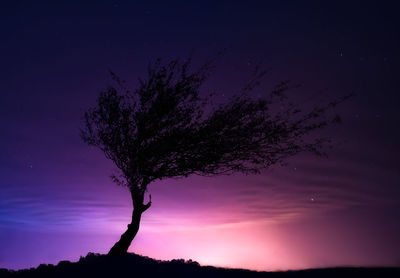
(164, 130)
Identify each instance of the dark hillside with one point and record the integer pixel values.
(132, 265)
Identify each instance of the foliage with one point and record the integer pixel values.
(166, 129)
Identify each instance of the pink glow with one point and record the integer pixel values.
(266, 222)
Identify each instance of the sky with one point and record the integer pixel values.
(57, 201)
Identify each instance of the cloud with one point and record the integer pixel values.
(58, 211)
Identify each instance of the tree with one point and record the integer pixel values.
(166, 129)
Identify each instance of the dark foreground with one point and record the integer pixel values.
(132, 265)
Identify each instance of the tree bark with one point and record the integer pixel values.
(122, 245)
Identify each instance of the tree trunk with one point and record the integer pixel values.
(122, 245)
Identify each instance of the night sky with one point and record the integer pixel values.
(57, 201)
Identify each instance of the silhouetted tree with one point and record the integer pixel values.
(166, 129)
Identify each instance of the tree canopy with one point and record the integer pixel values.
(166, 129)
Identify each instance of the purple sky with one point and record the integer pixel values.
(57, 201)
